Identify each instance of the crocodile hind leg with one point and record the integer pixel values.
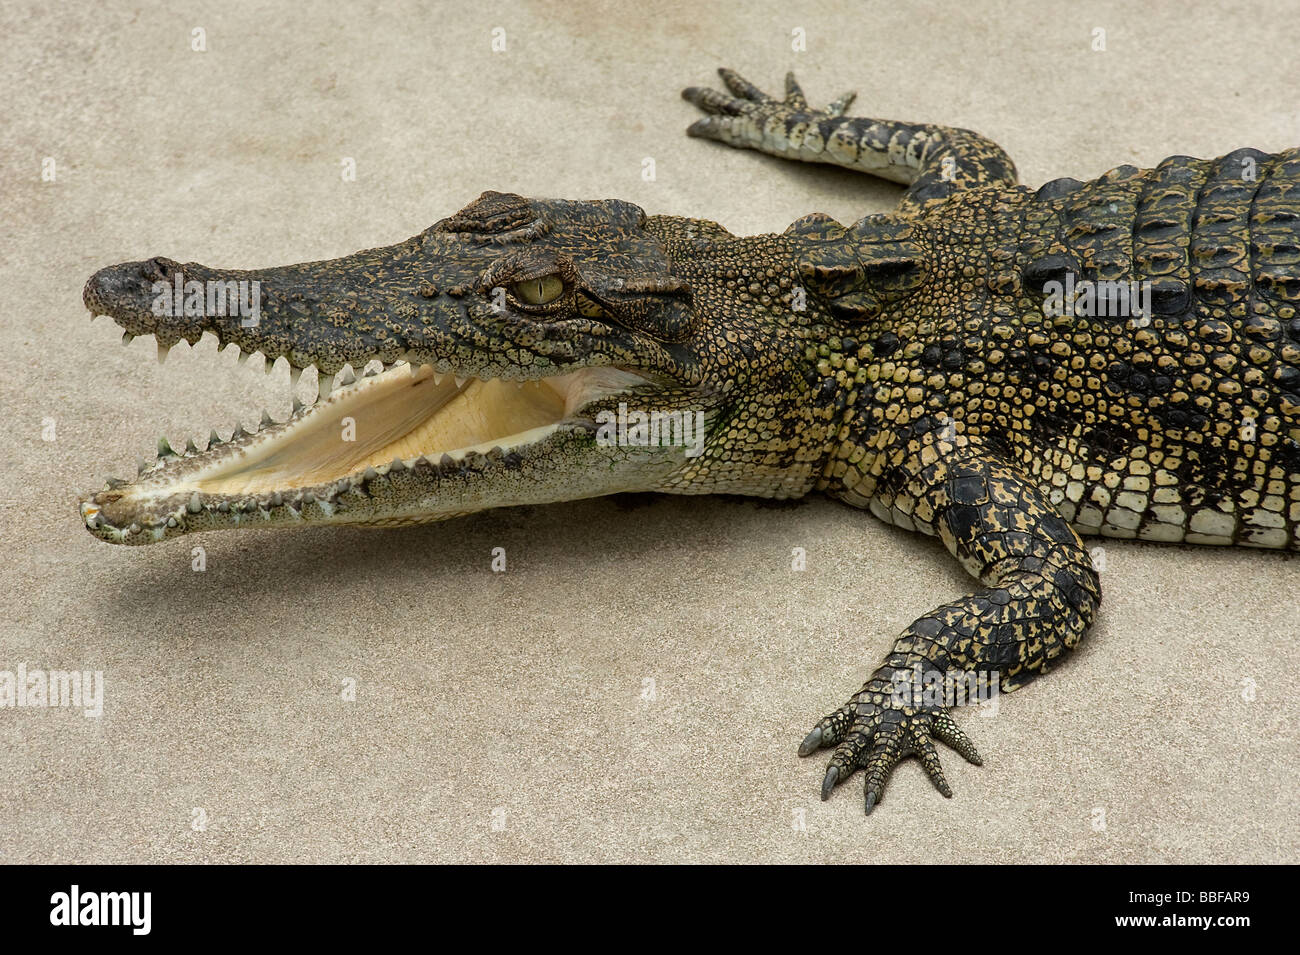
(1039, 596)
(933, 161)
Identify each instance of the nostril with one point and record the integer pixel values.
(157, 270)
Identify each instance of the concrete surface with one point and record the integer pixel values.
(501, 717)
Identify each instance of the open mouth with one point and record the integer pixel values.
(358, 453)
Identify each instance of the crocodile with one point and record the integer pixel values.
(1007, 369)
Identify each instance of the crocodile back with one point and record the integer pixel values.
(1146, 326)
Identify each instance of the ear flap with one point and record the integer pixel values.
(658, 305)
(860, 270)
(815, 225)
(491, 214)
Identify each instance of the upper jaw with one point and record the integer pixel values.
(433, 299)
(387, 304)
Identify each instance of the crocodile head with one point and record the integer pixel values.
(500, 357)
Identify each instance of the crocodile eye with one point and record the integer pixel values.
(587, 307)
(539, 291)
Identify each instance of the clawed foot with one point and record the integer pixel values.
(750, 107)
(874, 732)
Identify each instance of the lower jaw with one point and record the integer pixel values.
(377, 452)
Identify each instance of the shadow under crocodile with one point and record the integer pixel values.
(390, 573)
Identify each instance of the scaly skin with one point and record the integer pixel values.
(904, 364)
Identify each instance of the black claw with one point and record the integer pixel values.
(871, 802)
(832, 777)
(812, 742)
(699, 128)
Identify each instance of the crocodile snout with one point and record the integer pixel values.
(128, 287)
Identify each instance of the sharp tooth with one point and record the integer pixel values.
(345, 377)
(324, 385)
(213, 440)
(266, 420)
(190, 446)
(460, 382)
(127, 338)
(295, 375)
(242, 359)
(437, 377)
(297, 405)
(162, 352)
(165, 449)
(270, 366)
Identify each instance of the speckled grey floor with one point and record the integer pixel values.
(502, 717)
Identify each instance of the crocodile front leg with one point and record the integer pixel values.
(933, 161)
(1039, 597)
